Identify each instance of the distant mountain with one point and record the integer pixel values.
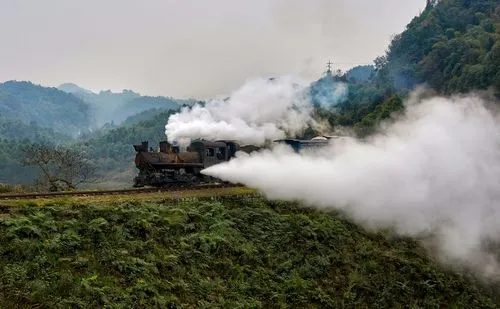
(145, 103)
(72, 88)
(106, 106)
(47, 107)
(115, 107)
(142, 116)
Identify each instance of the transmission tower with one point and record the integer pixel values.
(329, 68)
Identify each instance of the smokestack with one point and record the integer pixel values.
(164, 146)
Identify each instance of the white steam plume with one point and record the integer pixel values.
(261, 110)
(435, 171)
(337, 95)
(328, 92)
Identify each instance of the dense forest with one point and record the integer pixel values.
(44, 106)
(453, 46)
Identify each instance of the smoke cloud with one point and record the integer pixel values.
(329, 93)
(261, 110)
(433, 173)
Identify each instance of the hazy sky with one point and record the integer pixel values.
(189, 48)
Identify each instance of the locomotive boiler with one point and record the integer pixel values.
(170, 166)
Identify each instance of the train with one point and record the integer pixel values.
(169, 166)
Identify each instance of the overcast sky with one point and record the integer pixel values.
(188, 48)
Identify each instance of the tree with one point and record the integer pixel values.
(60, 168)
(387, 109)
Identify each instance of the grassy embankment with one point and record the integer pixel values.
(229, 252)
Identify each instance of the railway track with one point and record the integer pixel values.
(35, 195)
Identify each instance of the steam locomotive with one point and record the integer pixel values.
(171, 167)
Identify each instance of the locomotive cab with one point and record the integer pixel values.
(210, 152)
(231, 149)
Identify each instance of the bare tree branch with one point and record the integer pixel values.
(61, 168)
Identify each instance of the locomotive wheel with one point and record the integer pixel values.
(138, 183)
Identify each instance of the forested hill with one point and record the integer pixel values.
(453, 46)
(115, 107)
(145, 103)
(44, 106)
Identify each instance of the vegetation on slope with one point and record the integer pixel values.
(47, 107)
(145, 103)
(231, 253)
(143, 116)
(115, 107)
(15, 129)
(453, 46)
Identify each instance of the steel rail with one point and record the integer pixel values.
(35, 195)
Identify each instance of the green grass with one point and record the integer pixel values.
(213, 253)
(106, 200)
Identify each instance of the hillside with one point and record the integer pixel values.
(453, 46)
(72, 88)
(36, 114)
(106, 106)
(47, 107)
(116, 107)
(15, 129)
(360, 74)
(144, 116)
(145, 103)
(230, 253)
